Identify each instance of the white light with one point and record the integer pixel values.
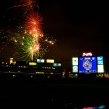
(75, 68)
(75, 61)
(13, 75)
(100, 68)
(40, 60)
(55, 64)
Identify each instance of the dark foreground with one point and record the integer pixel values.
(53, 93)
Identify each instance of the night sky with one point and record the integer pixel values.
(77, 26)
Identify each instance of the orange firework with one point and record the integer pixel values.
(31, 43)
(33, 25)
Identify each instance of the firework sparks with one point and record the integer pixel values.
(33, 27)
(28, 39)
(26, 4)
(33, 24)
(25, 46)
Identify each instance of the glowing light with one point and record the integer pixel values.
(14, 76)
(32, 63)
(75, 61)
(50, 60)
(57, 64)
(31, 51)
(25, 32)
(11, 60)
(46, 40)
(100, 68)
(75, 68)
(87, 54)
(37, 47)
(41, 35)
(40, 60)
(15, 40)
(39, 72)
(3, 62)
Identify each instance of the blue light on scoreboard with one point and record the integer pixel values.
(100, 64)
(100, 60)
(87, 64)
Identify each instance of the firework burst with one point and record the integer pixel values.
(29, 41)
(26, 48)
(33, 25)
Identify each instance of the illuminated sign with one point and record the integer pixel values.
(75, 61)
(100, 65)
(50, 60)
(32, 63)
(87, 54)
(75, 64)
(100, 68)
(100, 60)
(75, 68)
(87, 64)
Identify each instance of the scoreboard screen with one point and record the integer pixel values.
(87, 64)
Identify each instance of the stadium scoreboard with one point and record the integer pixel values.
(87, 64)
